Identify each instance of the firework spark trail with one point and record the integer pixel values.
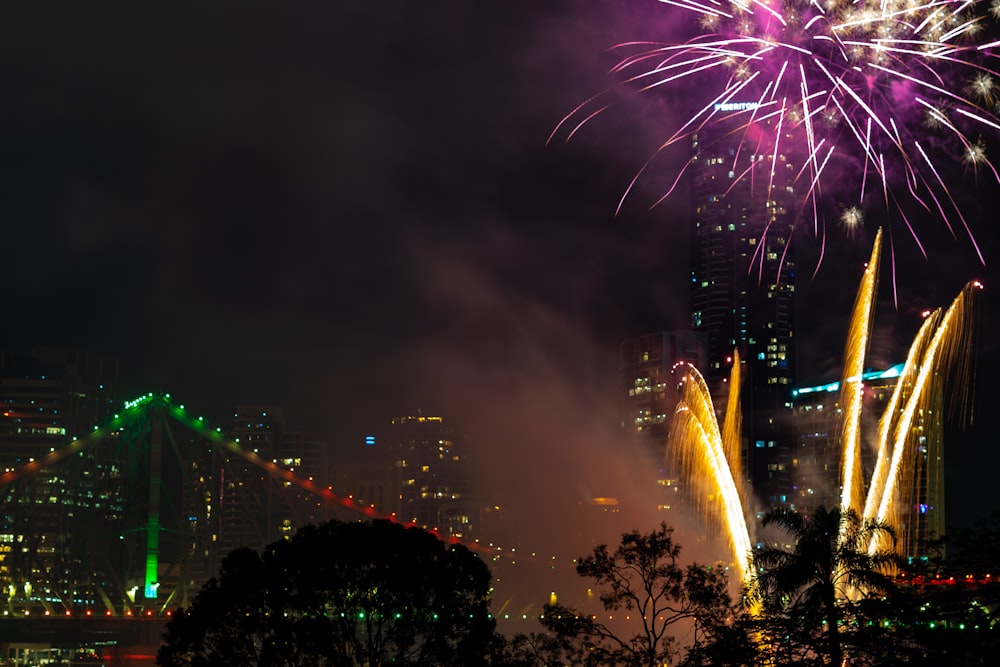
(850, 76)
(707, 459)
(851, 387)
(889, 419)
(732, 423)
(901, 431)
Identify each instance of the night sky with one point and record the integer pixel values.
(349, 209)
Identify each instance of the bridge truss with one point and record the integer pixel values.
(132, 519)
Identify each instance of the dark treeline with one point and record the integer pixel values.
(377, 593)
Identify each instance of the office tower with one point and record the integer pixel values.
(434, 490)
(743, 287)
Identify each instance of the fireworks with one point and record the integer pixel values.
(852, 218)
(910, 431)
(908, 443)
(891, 91)
(708, 459)
(851, 387)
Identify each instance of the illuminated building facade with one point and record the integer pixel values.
(743, 290)
(434, 490)
(649, 395)
(49, 527)
(124, 507)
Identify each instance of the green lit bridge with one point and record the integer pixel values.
(103, 536)
(112, 530)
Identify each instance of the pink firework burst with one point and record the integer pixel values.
(893, 89)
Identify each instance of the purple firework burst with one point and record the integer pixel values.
(873, 85)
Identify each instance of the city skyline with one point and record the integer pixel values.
(352, 213)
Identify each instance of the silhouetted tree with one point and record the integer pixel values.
(534, 650)
(827, 566)
(645, 577)
(340, 594)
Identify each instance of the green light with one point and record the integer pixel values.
(151, 569)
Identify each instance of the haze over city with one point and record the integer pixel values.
(350, 210)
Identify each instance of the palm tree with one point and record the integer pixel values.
(828, 563)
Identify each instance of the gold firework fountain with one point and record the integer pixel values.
(908, 475)
(708, 459)
(905, 485)
(907, 469)
(851, 386)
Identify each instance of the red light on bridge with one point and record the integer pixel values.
(88, 612)
(149, 613)
(107, 613)
(128, 613)
(69, 613)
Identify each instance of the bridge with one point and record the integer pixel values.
(102, 537)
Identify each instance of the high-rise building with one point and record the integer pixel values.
(278, 508)
(645, 365)
(434, 490)
(743, 287)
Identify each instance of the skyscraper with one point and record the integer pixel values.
(278, 509)
(434, 491)
(743, 286)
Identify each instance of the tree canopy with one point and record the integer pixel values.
(643, 575)
(340, 594)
